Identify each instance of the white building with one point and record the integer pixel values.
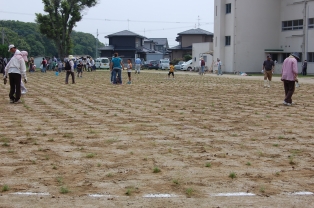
(245, 31)
(202, 50)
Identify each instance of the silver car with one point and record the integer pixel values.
(179, 65)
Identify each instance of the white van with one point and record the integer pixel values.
(102, 63)
(164, 64)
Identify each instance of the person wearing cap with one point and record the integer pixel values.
(289, 74)
(268, 68)
(15, 69)
(70, 71)
(202, 66)
(304, 68)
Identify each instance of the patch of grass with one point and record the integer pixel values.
(5, 188)
(54, 167)
(189, 192)
(156, 170)
(51, 140)
(248, 164)
(176, 181)
(232, 175)
(281, 137)
(98, 164)
(276, 145)
(291, 160)
(5, 144)
(208, 165)
(109, 175)
(277, 173)
(262, 189)
(64, 190)
(128, 192)
(90, 155)
(60, 180)
(68, 135)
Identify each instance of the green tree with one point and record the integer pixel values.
(58, 24)
(4, 51)
(187, 57)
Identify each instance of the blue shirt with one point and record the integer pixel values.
(138, 61)
(116, 63)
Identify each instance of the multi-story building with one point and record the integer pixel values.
(247, 30)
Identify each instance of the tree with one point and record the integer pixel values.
(58, 24)
(187, 57)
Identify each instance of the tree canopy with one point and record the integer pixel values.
(62, 17)
(26, 36)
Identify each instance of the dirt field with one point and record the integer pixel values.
(94, 144)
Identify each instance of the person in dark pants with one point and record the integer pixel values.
(268, 68)
(116, 66)
(289, 75)
(304, 68)
(15, 69)
(69, 68)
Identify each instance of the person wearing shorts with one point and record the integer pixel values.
(129, 70)
(268, 68)
(171, 71)
(138, 63)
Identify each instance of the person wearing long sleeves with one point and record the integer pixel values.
(16, 69)
(289, 75)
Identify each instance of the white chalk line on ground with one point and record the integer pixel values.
(235, 194)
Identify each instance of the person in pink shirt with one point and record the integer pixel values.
(289, 74)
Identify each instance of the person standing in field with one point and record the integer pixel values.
(116, 66)
(219, 67)
(44, 65)
(16, 69)
(138, 64)
(171, 71)
(129, 70)
(304, 68)
(80, 69)
(289, 75)
(69, 68)
(268, 68)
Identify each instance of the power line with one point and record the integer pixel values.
(117, 20)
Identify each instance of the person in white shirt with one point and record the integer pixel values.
(219, 66)
(16, 69)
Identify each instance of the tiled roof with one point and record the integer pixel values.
(160, 41)
(197, 31)
(179, 47)
(124, 33)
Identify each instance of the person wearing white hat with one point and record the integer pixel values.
(69, 68)
(15, 69)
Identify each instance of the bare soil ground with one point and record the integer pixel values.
(194, 132)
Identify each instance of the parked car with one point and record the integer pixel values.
(187, 66)
(152, 64)
(178, 66)
(164, 64)
(102, 63)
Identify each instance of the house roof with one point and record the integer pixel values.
(124, 33)
(179, 47)
(160, 41)
(197, 31)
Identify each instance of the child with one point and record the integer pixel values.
(80, 69)
(129, 70)
(60, 66)
(171, 71)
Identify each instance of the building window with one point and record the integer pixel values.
(292, 25)
(228, 8)
(311, 22)
(310, 57)
(228, 41)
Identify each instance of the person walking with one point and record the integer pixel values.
(202, 66)
(69, 68)
(44, 65)
(130, 66)
(171, 71)
(31, 65)
(138, 64)
(289, 75)
(304, 68)
(219, 67)
(268, 69)
(116, 66)
(16, 69)
(80, 69)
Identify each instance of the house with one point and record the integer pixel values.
(126, 43)
(186, 39)
(202, 50)
(244, 34)
(158, 46)
(161, 44)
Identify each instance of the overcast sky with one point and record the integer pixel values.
(158, 18)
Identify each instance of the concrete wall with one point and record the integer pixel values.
(188, 40)
(178, 54)
(198, 51)
(154, 56)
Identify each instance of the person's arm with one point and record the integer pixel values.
(23, 69)
(111, 65)
(122, 65)
(273, 67)
(295, 68)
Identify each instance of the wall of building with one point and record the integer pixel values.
(188, 40)
(199, 50)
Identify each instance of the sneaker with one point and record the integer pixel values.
(11, 101)
(287, 104)
(297, 84)
(17, 101)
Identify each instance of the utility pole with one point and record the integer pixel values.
(96, 44)
(198, 20)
